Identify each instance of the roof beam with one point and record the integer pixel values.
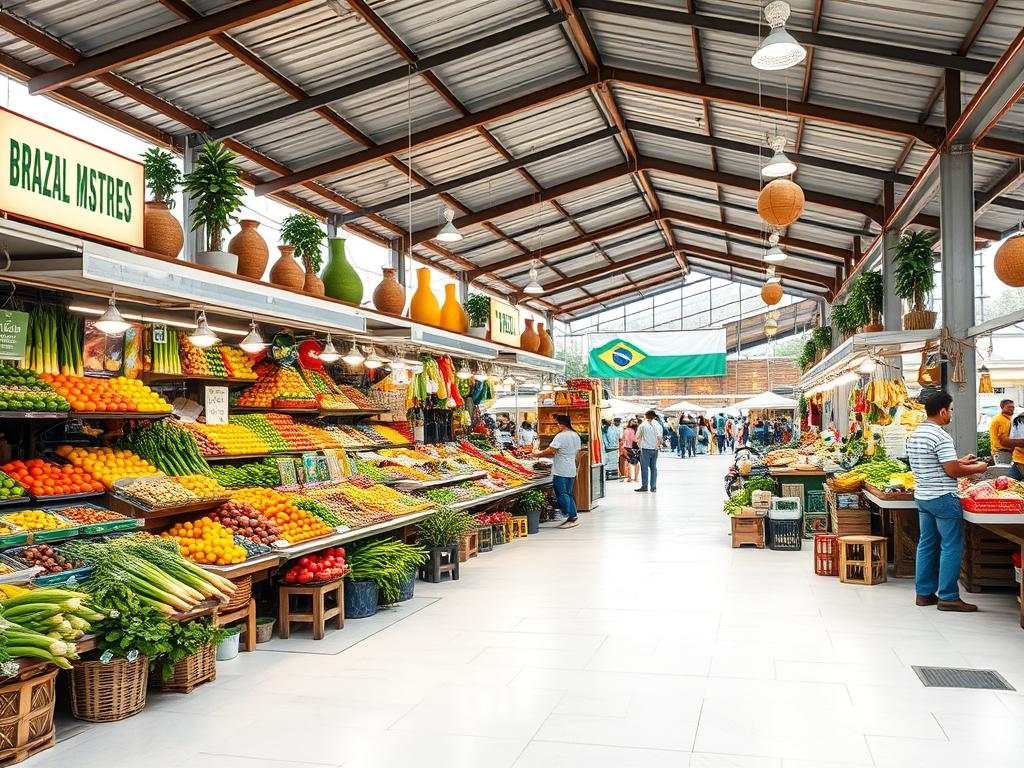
(782, 270)
(605, 271)
(638, 288)
(158, 42)
(755, 30)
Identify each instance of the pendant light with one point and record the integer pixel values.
(480, 374)
(771, 326)
(774, 255)
(464, 372)
(354, 357)
(533, 286)
(778, 49)
(374, 361)
(771, 276)
(329, 354)
(110, 322)
(779, 165)
(253, 343)
(202, 336)
(449, 233)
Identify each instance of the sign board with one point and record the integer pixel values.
(52, 178)
(159, 333)
(504, 323)
(13, 334)
(216, 405)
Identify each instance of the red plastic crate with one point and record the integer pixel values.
(826, 554)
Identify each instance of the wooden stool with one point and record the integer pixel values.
(748, 530)
(320, 611)
(519, 527)
(485, 538)
(246, 614)
(442, 560)
(469, 546)
(862, 560)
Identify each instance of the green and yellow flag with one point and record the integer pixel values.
(658, 355)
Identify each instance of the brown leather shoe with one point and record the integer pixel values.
(924, 600)
(958, 605)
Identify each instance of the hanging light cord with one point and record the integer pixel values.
(408, 160)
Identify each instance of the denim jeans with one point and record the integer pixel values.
(1015, 473)
(720, 439)
(563, 493)
(649, 467)
(940, 548)
(691, 445)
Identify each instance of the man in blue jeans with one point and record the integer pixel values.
(936, 469)
(563, 450)
(650, 438)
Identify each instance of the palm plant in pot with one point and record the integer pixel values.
(163, 233)
(478, 307)
(215, 190)
(441, 534)
(303, 233)
(915, 278)
(868, 294)
(531, 503)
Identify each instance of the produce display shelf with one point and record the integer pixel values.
(247, 456)
(264, 409)
(129, 506)
(384, 447)
(884, 503)
(244, 568)
(33, 414)
(18, 500)
(117, 414)
(422, 485)
(159, 378)
(51, 500)
(351, 412)
(352, 534)
(205, 608)
(498, 496)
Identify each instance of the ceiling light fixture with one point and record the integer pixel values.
(449, 233)
(353, 357)
(533, 287)
(111, 322)
(202, 336)
(374, 360)
(329, 354)
(779, 165)
(778, 49)
(253, 343)
(775, 254)
(464, 372)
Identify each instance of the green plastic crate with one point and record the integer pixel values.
(815, 503)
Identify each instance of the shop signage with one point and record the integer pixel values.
(216, 405)
(504, 323)
(13, 333)
(52, 178)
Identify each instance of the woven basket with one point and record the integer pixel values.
(919, 321)
(243, 593)
(26, 717)
(191, 671)
(103, 693)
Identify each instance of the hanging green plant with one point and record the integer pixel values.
(303, 233)
(216, 192)
(162, 175)
(822, 338)
(808, 353)
(915, 268)
(844, 320)
(871, 287)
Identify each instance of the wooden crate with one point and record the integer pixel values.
(863, 560)
(987, 560)
(792, 490)
(851, 522)
(748, 530)
(469, 546)
(26, 717)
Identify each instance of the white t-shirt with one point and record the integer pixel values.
(567, 445)
(527, 437)
(648, 434)
(928, 448)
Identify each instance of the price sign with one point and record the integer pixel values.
(13, 335)
(216, 405)
(159, 334)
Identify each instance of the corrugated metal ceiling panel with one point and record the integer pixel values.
(495, 190)
(567, 166)
(553, 123)
(1002, 27)
(643, 44)
(382, 113)
(300, 140)
(451, 158)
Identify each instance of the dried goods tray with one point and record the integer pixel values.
(33, 414)
(1001, 506)
(92, 529)
(199, 505)
(889, 495)
(50, 579)
(422, 485)
(42, 537)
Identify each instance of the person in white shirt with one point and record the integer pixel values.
(650, 437)
(527, 437)
(564, 450)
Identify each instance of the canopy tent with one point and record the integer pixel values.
(728, 410)
(623, 407)
(685, 406)
(767, 401)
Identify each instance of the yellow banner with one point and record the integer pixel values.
(504, 323)
(52, 178)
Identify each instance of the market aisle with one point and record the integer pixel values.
(638, 640)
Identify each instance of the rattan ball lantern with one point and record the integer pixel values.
(771, 293)
(1009, 261)
(781, 202)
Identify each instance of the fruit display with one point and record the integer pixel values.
(170, 446)
(202, 486)
(363, 491)
(380, 468)
(319, 510)
(167, 354)
(325, 437)
(355, 515)
(45, 557)
(246, 521)
(233, 439)
(237, 363)
(107, 464)
(89, 515)
(44, 479)
(296, 525)
(361, 401)
(260, 425)
(158, 493)
(206, 445)
(37, 520)
(452, 494)
(252, 548)
(1001, 487)
(263, 473)
(193, 359)
(388, 434)
(278, 387)
(117, 395)
(317, 568)
(206, 541)
(492, 518)
(23, 390)
(288, 429)
(10, 488)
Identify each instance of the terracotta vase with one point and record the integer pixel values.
(389, 296)
(286, 272)
(341, 281)
(423, 308)
(453, 316)
(529, 341)
(163, 233)
(251, 249)
(547, 344)
(313, 284)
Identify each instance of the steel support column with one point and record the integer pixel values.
(892, 307)
(956, 169)
(195, 239)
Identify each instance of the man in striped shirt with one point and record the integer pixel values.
(936, 469)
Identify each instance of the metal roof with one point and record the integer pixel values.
(613, 143)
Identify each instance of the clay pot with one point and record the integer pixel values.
(453, 316)
(529, 341)
(163, 233)
(389, 296)
(547, 344)
(424, 307)
(286, 272)
(313, 284)
(781, 202)
(251, 249)
(341, 281)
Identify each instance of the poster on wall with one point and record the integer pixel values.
(658, 354)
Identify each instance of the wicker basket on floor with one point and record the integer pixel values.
(103, 693)
(239, 600)
(191, 671)
(26, 717)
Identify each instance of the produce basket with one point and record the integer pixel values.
(785, 534)
(200, 667)
(243, 593)
(26, 717)
(124, 523)
(998, 506)
(889, 495)
(105, 692)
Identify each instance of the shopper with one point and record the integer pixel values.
(999, 433)
(720, 432)
(609, 444)
(936, 469)
(527, 436)
(689, 438)
(703, 436)
(564, 452)
(630, 453)
(1016, 441)
(673, 434)
(730, 434)
(650, 438)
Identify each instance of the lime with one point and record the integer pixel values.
(17, 491)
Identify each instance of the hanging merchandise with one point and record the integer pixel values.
(984, 381)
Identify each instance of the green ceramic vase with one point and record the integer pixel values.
(341, 281)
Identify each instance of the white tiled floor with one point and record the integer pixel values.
(638, 640)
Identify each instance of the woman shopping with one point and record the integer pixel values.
(564, 453)
(629, 462)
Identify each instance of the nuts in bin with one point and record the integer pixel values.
(47, 558)
(159, 493)
(90, 515)
(36, 520)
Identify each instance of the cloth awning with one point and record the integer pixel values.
(623, 407)
(685, 406)
(766, 401)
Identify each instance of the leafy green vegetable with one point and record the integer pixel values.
(185, 639)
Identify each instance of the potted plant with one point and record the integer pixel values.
(478, 307)
(531, 503)
(163, 233)
(808, 354)
(215, 190)
(822, 338)
(440, 534)
(303, 233)
(844, 320)
(915, 278)
(869, 290)
(379, 572)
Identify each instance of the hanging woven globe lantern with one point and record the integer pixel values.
(771, 293)
(781, 202)
(1009, 261)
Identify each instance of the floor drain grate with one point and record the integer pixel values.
(954, 677)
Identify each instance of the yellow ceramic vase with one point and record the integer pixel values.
(424, 307)
(453, 316)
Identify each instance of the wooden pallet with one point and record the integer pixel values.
(987, 560)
